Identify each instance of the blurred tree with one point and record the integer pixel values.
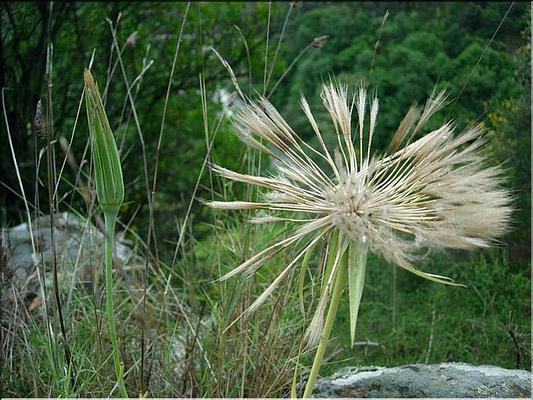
(144, 32)
(509, 124)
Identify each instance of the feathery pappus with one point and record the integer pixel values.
(432, 192)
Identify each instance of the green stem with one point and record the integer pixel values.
(340, 284)
(110, 220)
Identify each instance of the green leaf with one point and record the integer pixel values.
(356, 279)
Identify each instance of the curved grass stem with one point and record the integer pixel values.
(340, 283)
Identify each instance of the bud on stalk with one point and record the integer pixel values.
(110, 194)
(108, 172)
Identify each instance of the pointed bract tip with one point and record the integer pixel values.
(88, 78)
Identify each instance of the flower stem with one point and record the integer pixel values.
(110, 220)
(340, 284)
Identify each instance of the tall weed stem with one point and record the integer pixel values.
(110, 194)
(110, 220)
(340, 284)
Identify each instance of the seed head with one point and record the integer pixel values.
(434, 192)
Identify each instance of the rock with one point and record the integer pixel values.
(79, 253)
(420, 380)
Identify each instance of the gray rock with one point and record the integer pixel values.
(79, 252)
(420, 380)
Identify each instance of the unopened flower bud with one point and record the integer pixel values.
(106, 160)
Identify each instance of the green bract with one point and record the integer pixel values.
(108, 172)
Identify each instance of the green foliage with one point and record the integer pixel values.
(432, 323)
(414, 57)
(509, 140)
(402, 319)
(144, 32)
(249, 356)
